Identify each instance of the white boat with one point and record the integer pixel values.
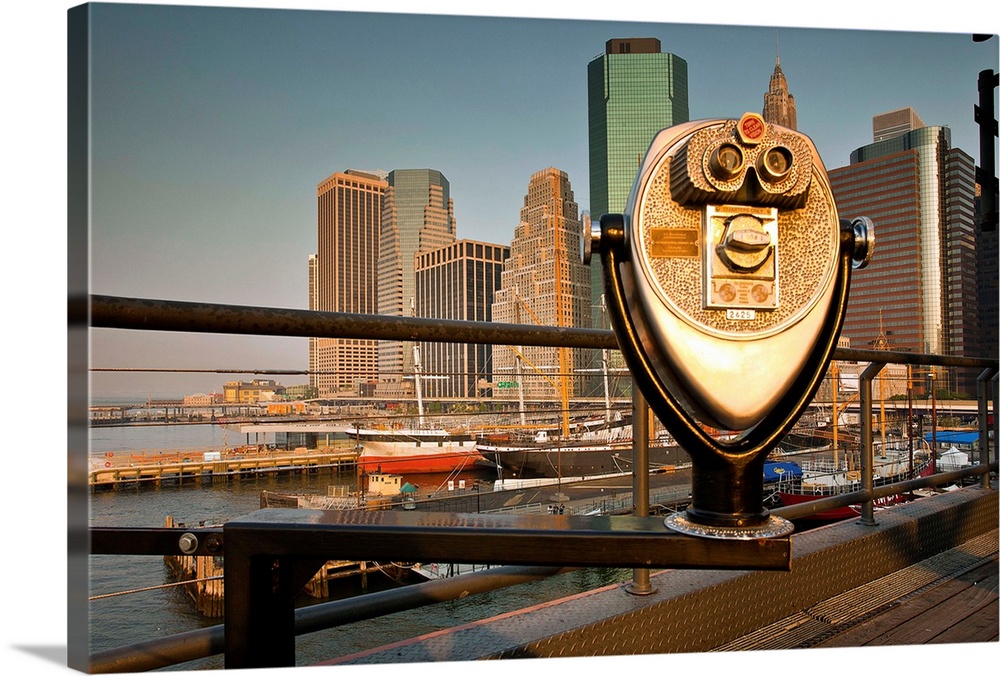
(415, 450)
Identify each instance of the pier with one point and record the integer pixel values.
(115, 471)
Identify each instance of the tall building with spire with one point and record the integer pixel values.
(779, 104)
(344, 276)
(633, 91)
(545, 283)
(418, 215)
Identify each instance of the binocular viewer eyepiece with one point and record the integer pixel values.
(726, 281)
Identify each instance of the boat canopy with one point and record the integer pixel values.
(774, 471)
(952, 438)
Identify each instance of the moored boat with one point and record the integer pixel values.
(595, 453)
(414, 450)
(825, 475)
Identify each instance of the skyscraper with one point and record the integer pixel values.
(349, 211)
(779, 104)
(418, 215)
(987, 258)
(458, 281)
(921, 285)
(543, 282)
(633, 91)
(314, 305)
(895, 123)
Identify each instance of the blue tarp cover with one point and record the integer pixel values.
(952, 437)
(781, 470)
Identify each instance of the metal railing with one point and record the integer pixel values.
(269, 557)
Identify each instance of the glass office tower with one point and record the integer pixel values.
(921, 286)
(634, 90)
(458, 281)
(418, 215)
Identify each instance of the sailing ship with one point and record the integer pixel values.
(605, 449)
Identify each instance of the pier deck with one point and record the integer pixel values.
(926, 573)
(112, 472)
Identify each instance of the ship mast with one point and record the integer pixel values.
(416, 373)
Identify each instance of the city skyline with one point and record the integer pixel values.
(35, 74)
(213, 126)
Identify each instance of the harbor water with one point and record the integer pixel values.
(120, 615)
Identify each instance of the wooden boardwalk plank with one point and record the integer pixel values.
(957, 611)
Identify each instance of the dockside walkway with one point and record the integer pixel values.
(925, 573)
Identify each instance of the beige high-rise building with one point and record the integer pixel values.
(544, 282)
(349, 215)
(314, 305)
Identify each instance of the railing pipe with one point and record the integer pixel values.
(640, 584)
(819, 505)
(159, 315)
(867, 445)
(983, 383)
(144, 314)
(202, 643)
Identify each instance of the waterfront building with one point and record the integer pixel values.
(202, 399)
(458, 281)
(418, 215)
(349, 206)
(543, 282)
(779, 104)
(921, 286)
(251, 392)
(300, 392)
(633, 91)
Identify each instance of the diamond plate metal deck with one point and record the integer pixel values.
(835, 572)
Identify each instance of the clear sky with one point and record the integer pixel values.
(213, 126)
(209, 146)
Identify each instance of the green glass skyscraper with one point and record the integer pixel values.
(634, 90)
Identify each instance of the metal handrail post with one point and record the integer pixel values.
(996, 419)
(260, 602)
(867, 448)
(982, 396)
(640, 584)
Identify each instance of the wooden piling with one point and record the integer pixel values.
(207, 591)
